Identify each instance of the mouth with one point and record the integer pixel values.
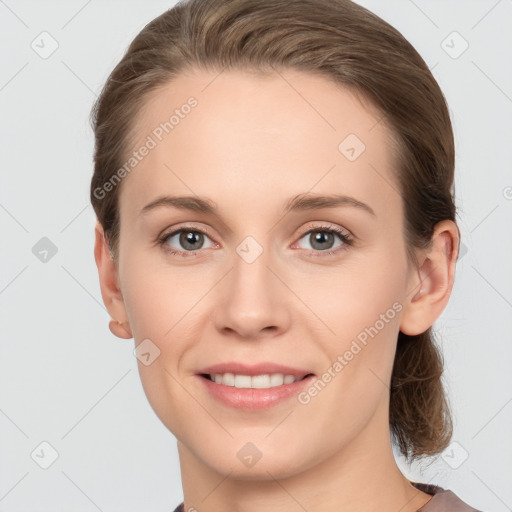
(253, 387)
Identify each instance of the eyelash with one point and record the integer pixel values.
(346, 239)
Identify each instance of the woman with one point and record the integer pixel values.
(276, 229)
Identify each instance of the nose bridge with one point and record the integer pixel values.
(252, 298)
(250, 267)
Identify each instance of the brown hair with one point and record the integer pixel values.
(350, 45)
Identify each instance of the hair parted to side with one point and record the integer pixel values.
(351, 46)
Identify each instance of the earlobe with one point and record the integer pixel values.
(433, 281)
(109, 284)
(118, 329)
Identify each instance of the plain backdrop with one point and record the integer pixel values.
(70, 394)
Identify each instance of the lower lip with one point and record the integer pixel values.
(252, 399)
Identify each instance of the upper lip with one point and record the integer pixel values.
(253, 369)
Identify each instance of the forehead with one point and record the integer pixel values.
(259, 139)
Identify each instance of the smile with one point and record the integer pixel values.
(263, 381)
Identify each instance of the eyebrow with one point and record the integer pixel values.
(297, 203)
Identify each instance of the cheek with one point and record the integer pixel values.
(353, 297)
(160, 307)
(159, 297)
(362, 308)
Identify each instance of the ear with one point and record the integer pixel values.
(109, 284)
(431, 284)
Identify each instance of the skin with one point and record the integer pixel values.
(251, 144)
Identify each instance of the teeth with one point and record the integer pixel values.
(255, 381)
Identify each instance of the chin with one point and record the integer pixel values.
(259, 472)
(261, 467)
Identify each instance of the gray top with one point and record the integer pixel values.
(442, 500)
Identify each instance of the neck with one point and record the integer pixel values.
(360, 476)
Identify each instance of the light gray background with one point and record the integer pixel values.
(65, 380)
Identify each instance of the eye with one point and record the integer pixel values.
(189, 239)
(322, 239)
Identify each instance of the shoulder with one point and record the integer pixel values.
(443, 500)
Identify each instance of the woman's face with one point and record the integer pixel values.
(250, 282)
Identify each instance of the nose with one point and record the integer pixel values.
(252, 300)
